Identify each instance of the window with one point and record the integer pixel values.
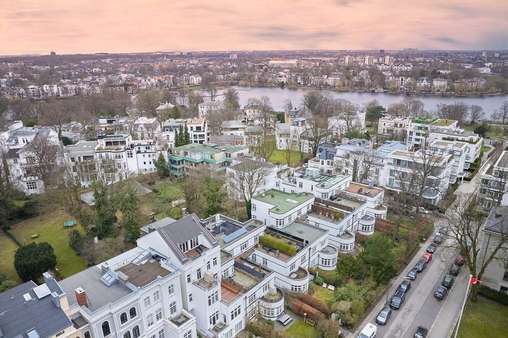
(32, 185)
(171, 289)
(172, 308)
(132, 312)
(188, 278)
(187, 334)
(106, 331)
(190, 297)
(198, 274)
(123, 318)
(158, 315)
(243, 247)
(236, 312)
(149, 320)
(214, 318)
(135, 332)
(214, 261)
(156, 296)
(127, 334)
(147, 301)
(208, 266)
(214, 297)
(161, 334)
(253, 206)
(87, 334)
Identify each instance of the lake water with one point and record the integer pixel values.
(278, 98)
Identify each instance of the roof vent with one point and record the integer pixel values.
(27, 297)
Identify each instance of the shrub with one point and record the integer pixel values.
(278, 244)
(301, 308)
(314, 302)
(318, 280)
(76, 241)
(492, 294)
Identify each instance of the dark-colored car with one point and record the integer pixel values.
(431, 248)
(397, 299)
(447, 281)
(440, 292)
(421, 332)
(420, 266)
(438, 239)
(459, 260)
(454, 270)
(404, 286)
(383, 316)
(412, 274)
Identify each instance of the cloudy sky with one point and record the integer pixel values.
(70, 26)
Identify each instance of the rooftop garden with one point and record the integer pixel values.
(278, 244)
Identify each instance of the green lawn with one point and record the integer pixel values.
(7, 250)
(323, 294)
(301, 330)
(484, 318)
(158, 202)
(281, 157)
(50, 229)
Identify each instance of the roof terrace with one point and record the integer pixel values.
(364, 190)
(283, 202)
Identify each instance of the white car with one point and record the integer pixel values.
(369, 331)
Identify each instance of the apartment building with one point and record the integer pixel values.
(257, 177)
(233, 127)
(312, 181)
(403, 173)
(145, 128)
(494, 233)
(472, 142)
(419, 129)
(210, 107)
(24, 148)
(192, 156)
(393, 127)
(493, 183)
(276, 208)
(458, 152)
(81, 162)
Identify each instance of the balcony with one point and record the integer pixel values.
(180, 319)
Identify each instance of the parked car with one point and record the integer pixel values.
(438, 239)
(427, 256)
(431, 248)
(448, 281)
(383, 316)
(412, 274)
(420, 266)
(397, 299)
(369, 331)
(454, 270)
(421, 332)
(404, 286)
(440, 292)
(459, 260)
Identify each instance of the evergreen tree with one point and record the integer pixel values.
(186, 139)
(130, 212)
(162, 166)
(104, 210)
(32, 260)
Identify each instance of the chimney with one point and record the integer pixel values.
(81, 297)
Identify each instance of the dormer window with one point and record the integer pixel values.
(189, 245)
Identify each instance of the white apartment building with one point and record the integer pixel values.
(145, 128)
(419, 129)
(233, 127)
(339, 125)
(198, 130)
(472, 142)
(210, 107)
(311, 181)
(458, 152)
(393, 126)
(404, 167)
(493, 183)
(277, 208)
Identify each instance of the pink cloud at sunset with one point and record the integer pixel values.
(34, 26)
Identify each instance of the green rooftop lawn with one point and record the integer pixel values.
(283, 201)
(7, 250)
(50, 229)
(301, 330)
(484, 318)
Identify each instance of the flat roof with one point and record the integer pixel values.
(503, 160)
(283, 202)
(143, 274)
(362, 189)
(304, 231)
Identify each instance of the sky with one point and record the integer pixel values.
(83, 26)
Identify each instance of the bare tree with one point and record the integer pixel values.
(245, 179)
(148, 100)
(42, 158)
(475, 114)
(267, 121)
(479, 245)
(502, 113)
(456, 111)
(316, 131)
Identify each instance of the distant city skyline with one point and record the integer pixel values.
(90, 26)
